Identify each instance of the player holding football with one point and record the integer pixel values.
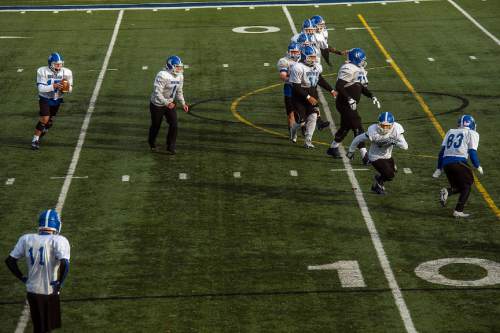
(52, 81)
(47, 257)
(383, 136)
(458, 145)
(352, 81)
(167, 89)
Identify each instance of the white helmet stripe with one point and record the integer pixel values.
(47, 218)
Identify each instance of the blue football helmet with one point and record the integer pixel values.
(49, 220)
(304, 40)
(308, 27)
(357, 57)
(294, 51)
(385, 122)
(174, 65)
(467, 121)
(56, 62)
(318, 22)
(308, 55)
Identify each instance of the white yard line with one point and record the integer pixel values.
(237, 174)
(183, 176)
(125, 178)
(476, 23)
(10, 181)
(294, 173)
(407, 170)
(370, 224)
(23, 319)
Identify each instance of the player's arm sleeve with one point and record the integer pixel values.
(402, 142)
(42, 83)
(159, 85)
(340, 87)
(440, 158)
(324, 84)
(365, 91)
(11, 263)
(334, 50)
(180, 94)
(63, 270)
(357, 140)
(472, 148)
(69, 76)
(474, 158)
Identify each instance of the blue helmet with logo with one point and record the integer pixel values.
(318, 22)
(467, 121)
(308, 55)
(308, 27)
(49, 220)
(55, 62)
(385, 122)
(357, 57)
(304, 40)
(174, 65)
(294, 51)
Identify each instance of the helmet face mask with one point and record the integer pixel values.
(174, 65)
(385, 123)
(308, 55)
(56, 62)
(49, 221)
(294, 51)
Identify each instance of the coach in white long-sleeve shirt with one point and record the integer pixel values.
(167, 89)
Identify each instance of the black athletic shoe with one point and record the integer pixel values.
(334, 152)
(365, 159)
(35, 145)
(322, 124)
(171, 151)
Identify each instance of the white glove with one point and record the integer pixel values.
(352, 104)
(436, 173)
(376, 102)
(480, 170)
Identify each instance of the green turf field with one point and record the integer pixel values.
(220, 253)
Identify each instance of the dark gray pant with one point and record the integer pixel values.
(461, 179)
(157, 114)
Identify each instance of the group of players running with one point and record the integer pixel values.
(301, 71)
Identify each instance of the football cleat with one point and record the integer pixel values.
(171, 151)
(365, 159)
(322, 124)
(458, 214)
(443, 196)
(334, 152)
(377, 187)
(35, 145)
(308, 144)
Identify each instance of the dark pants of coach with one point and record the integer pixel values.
(45, 312)
(157, 114)
(461, 179)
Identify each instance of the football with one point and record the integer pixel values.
(65, 85)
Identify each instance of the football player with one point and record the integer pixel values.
(352, 81)
(458, 146)
(47, 256)
(284, 64)
(321, 37)
(52, 82)
(167, 89)
(383, 137)
(305, 76)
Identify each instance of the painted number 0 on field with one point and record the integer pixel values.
(256, 29)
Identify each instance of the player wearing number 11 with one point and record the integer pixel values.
(47, 258)
(458, 145)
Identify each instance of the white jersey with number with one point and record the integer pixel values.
(167, 88)
(321, 40)
(307, 76)
(45, 78)
(284, 65)
(458, 141)
(352, 74)
(42, 253)
(382, 144)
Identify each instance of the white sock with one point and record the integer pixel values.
(311, 125)
(363, 152)
(35, 138)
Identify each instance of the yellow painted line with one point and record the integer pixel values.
(427, 110)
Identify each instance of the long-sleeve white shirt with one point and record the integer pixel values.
(381, 144)
(167, 88)
(45, 79)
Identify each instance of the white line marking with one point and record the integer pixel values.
(144, 68)
(155, 10)
(187, 9)
(370, 224)
(74, 177)
(251, 7)
(266, 64)
(388, 60)
(384, 3)
(183, 176)
(407, 170)
(294, 173)
(23, 12)
(23, 320)
(19, 70)
(237, 174)
(55, 12)
(225, 65)
(417, 2)
(472, 58)
(430, 59)
(316, 6)
(12, 37)
(219, 8)
(125, 178)
(352, 169)
(89, 12)
(476, 23)
(360, 28)
(349, 5)
(186, 66)
(10, 181)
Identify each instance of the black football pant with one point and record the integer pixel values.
(349, 120)
(157, 114)
(45, 312)
(461, 179)
(386, 169)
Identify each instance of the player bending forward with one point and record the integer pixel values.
(383, 136)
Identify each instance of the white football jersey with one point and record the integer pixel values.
(45, 78)
(321, 41)
(380, 146)
(353, 74)
(42, 253)
(167, 88)
(458, 141)
(305, 75)
(284, 65)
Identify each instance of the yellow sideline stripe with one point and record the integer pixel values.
(426, 109)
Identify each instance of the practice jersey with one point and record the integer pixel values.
(321, 40)
(45, 78)
(284, 65)
(167, 88)
(457, 143)
(381, 144)
(352, 74)
(306, 76)
(42, 253)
